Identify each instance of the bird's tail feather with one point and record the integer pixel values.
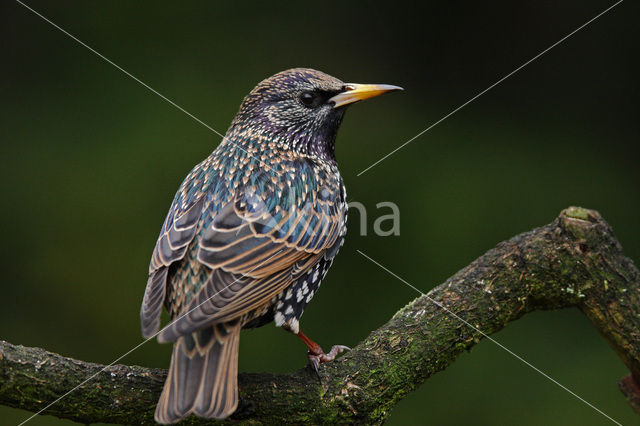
(203, 375)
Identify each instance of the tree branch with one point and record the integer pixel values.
(573, 262)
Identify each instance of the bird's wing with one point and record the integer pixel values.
(178, 231)
(273, 231)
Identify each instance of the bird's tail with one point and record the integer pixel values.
(203, 376)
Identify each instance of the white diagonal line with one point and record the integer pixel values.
(490, 87)
(500, 345)
(145, 341)
(121, 69)
(137, 80)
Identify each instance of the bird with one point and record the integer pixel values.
(250, 235)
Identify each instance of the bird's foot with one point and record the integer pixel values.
(318, 356)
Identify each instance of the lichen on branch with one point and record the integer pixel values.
(575, 261)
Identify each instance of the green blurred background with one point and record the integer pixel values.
(90, 160)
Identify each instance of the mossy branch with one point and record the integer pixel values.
(573, 262)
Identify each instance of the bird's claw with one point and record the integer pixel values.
(318, 357)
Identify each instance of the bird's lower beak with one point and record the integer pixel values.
(359, 92)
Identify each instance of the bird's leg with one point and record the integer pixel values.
(316, 354)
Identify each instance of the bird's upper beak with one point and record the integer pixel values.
(359, 92)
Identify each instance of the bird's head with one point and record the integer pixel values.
(302, 109)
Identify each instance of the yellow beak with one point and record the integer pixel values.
(359, 92)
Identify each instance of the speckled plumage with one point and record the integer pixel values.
(250, 235)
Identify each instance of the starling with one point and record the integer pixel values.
(250, 235)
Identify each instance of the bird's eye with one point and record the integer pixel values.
(308, 99)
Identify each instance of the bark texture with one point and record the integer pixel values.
(575, 261)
